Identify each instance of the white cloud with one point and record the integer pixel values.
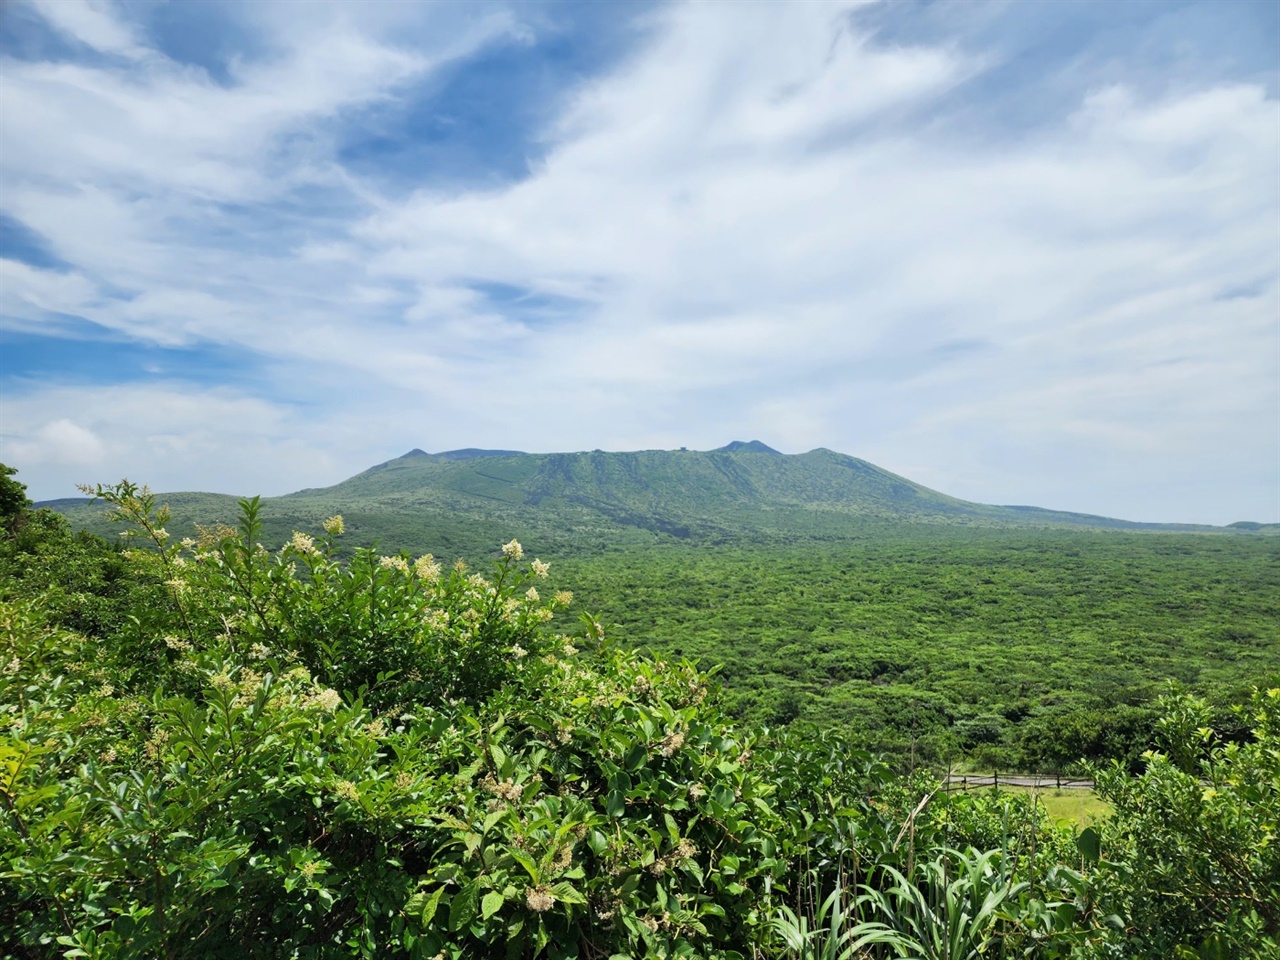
(1091, 252)
(28, 293)
(769, 224)
(93, 24)
(60, 443)
(176, 436)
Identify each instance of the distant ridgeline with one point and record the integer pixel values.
(465, 501)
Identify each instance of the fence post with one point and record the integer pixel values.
(995, 780)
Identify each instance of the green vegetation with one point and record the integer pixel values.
(833, 593)
(297, 753)
(1073, 806)
(1018, 650)
(460, 503)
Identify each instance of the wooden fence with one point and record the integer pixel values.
(974, 781)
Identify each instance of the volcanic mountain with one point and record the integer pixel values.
(465, 501)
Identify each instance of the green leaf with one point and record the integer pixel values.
(1089, 843)
(427, 905)
(462, 909)
(527, 862)
(673, 831)
(491, 904)
(636, 757)
(615, 803)
(695, 869)
(565, 893)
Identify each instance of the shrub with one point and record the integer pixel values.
(1192, 860)
(304, 757)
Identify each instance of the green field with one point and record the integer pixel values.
(1066, 807)
(1080, 807)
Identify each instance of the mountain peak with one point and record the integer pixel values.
(747, 446)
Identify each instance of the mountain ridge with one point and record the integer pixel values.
(471, 498)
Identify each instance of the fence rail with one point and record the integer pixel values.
(973, 781)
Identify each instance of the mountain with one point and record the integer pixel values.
(467, 501)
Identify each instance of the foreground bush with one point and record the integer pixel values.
(1192, 858)
(312, 758)
(253, 753)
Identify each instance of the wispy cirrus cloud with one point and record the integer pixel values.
(1017, 263)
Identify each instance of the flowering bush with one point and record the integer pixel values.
(306, 757)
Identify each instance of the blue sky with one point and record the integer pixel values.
(1019, 252)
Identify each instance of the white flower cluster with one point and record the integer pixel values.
(436, 619)
(540, 899)
(427, 569)
(672, 742)
(327, 699)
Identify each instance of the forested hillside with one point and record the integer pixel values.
(459, 501)
(831, 592)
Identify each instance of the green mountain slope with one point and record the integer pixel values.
(739, 488)
(466, 501)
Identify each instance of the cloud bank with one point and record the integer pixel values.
(1017, 268)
